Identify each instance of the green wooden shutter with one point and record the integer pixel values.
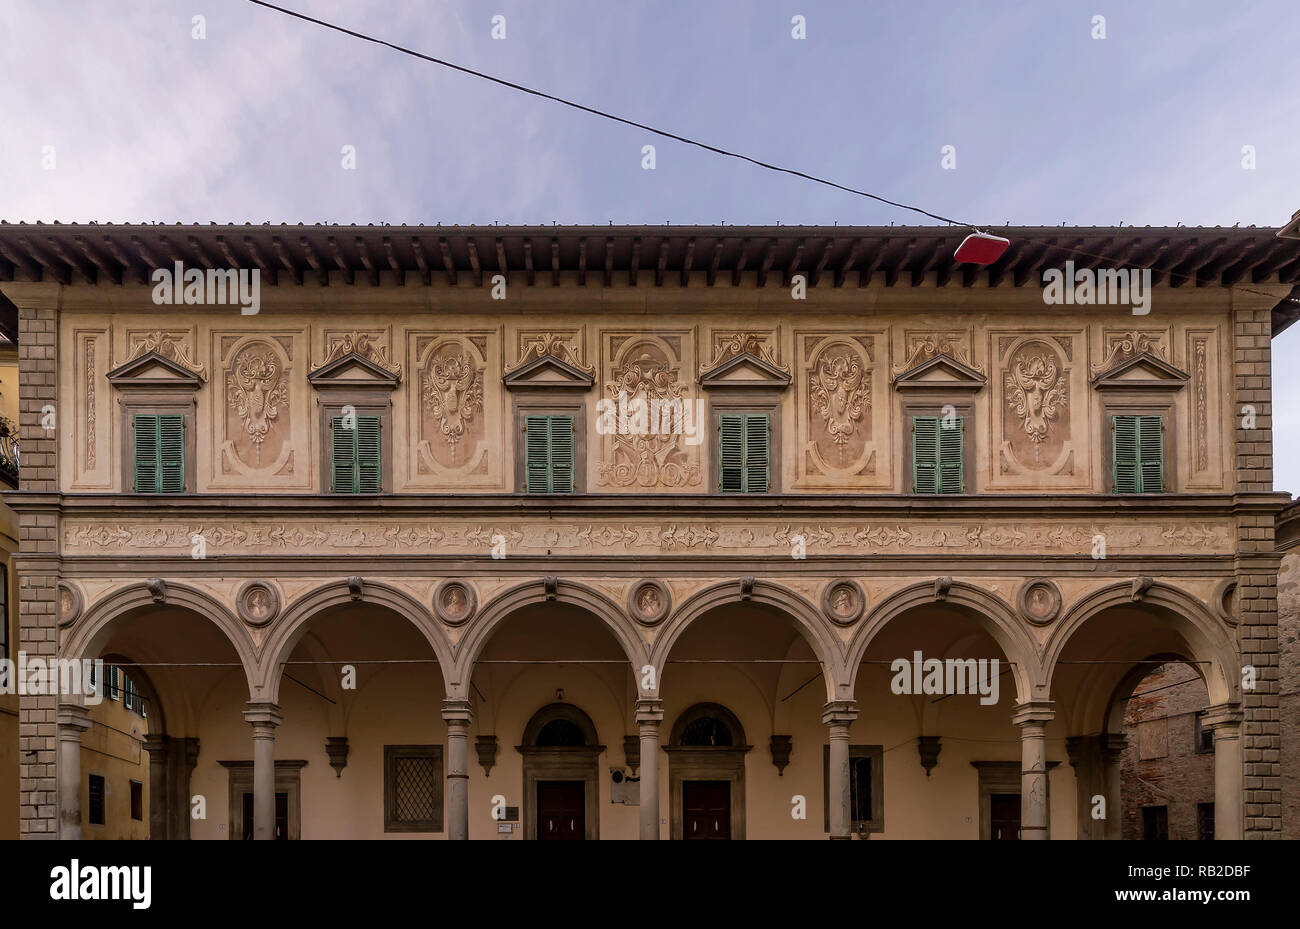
(561, 454)
(146, 454)
(731, 453)
(950, 457)
(343, 460)
(756, 453)
(537, 454)
(369, 464)
(925, 454)
(1151, 454)
(171, 454)
(1124, 451)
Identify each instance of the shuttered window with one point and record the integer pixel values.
(159, 453)
(743, 452)
(548, 454)
(938, 464)
(1138, 448)
(357, 457)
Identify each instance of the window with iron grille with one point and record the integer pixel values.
(95, 812)
(1205, 821)
(412, 788)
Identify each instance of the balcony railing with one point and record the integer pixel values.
(9, 450)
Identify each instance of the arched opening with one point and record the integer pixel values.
(1135, 678)
(707, 773)
(172, 683)
(934, 752)
(361, 751)
(560, 764)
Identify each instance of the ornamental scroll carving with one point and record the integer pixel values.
(1037, 395)
(451, 418)
(257, 393)
(172, 345)
(453, 392)
(369, 345)
(840, 393)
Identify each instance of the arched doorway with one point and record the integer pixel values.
(561, 751)
(706, 774)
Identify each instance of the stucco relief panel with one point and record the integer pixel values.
(455, 414)
(841, 410)
(92, 429)
(259, 419)
(1041, 402)
(654, 368)
(1205, 437)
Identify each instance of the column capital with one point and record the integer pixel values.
(649, 711)
(1034, 713)
(457, 712)
(1224, 718)
(840, 712)
(263, 714)
(72, 718)
(156, 745)
(1074, 746)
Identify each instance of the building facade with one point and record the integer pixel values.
(661, 532)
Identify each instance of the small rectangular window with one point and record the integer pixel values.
(137, 801)
(356, 454)
(938, 458)
(1155, 822)
(743, 452)
(548, 454)
(95, 813)
(1138, 451)
(159, 453)
(1205, 822)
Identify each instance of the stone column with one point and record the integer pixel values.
(1112, 753)
(1225, 720)
(1035, 809)
(457, 715)
(649, 715)
(838, 715)
(1082, 753)
(73, 719)
(159, 801)
(264, 718)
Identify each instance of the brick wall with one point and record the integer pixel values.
(37, 561)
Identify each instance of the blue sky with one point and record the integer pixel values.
(1050, 125)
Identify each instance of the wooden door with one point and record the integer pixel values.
(561, 810)
(281, 816)
(706, 809)
(1004, 816)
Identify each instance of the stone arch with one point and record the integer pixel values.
(560, 712)
(96, 626)
(156, 718)
(990, 612)
(1190, 618)
(806, 618)
(704, 711)
(292, 625)
(506, 604)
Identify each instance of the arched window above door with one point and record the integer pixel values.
(708, 725)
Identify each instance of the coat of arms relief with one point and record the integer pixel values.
(257, 440)
(1036, 406)
(450, 415)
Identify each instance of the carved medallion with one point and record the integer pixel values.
(649, 602)
(843, 602)
(454, 602)
(257, 603)
(1039, 601)
(69, 604)
(1225, 601)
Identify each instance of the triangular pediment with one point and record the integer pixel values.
(549, 373)
(745, 369)
(940, 372)
(352, 370)
(1143, 370)
(153, 370)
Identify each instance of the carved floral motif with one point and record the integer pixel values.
(1037, 394)
(728, 345)
(555, 345)
(655, 458)
(365, 345)
(840, 393)
(256, 393)
(169, 345)
(453, 392)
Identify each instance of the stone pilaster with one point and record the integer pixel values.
(73, 720)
